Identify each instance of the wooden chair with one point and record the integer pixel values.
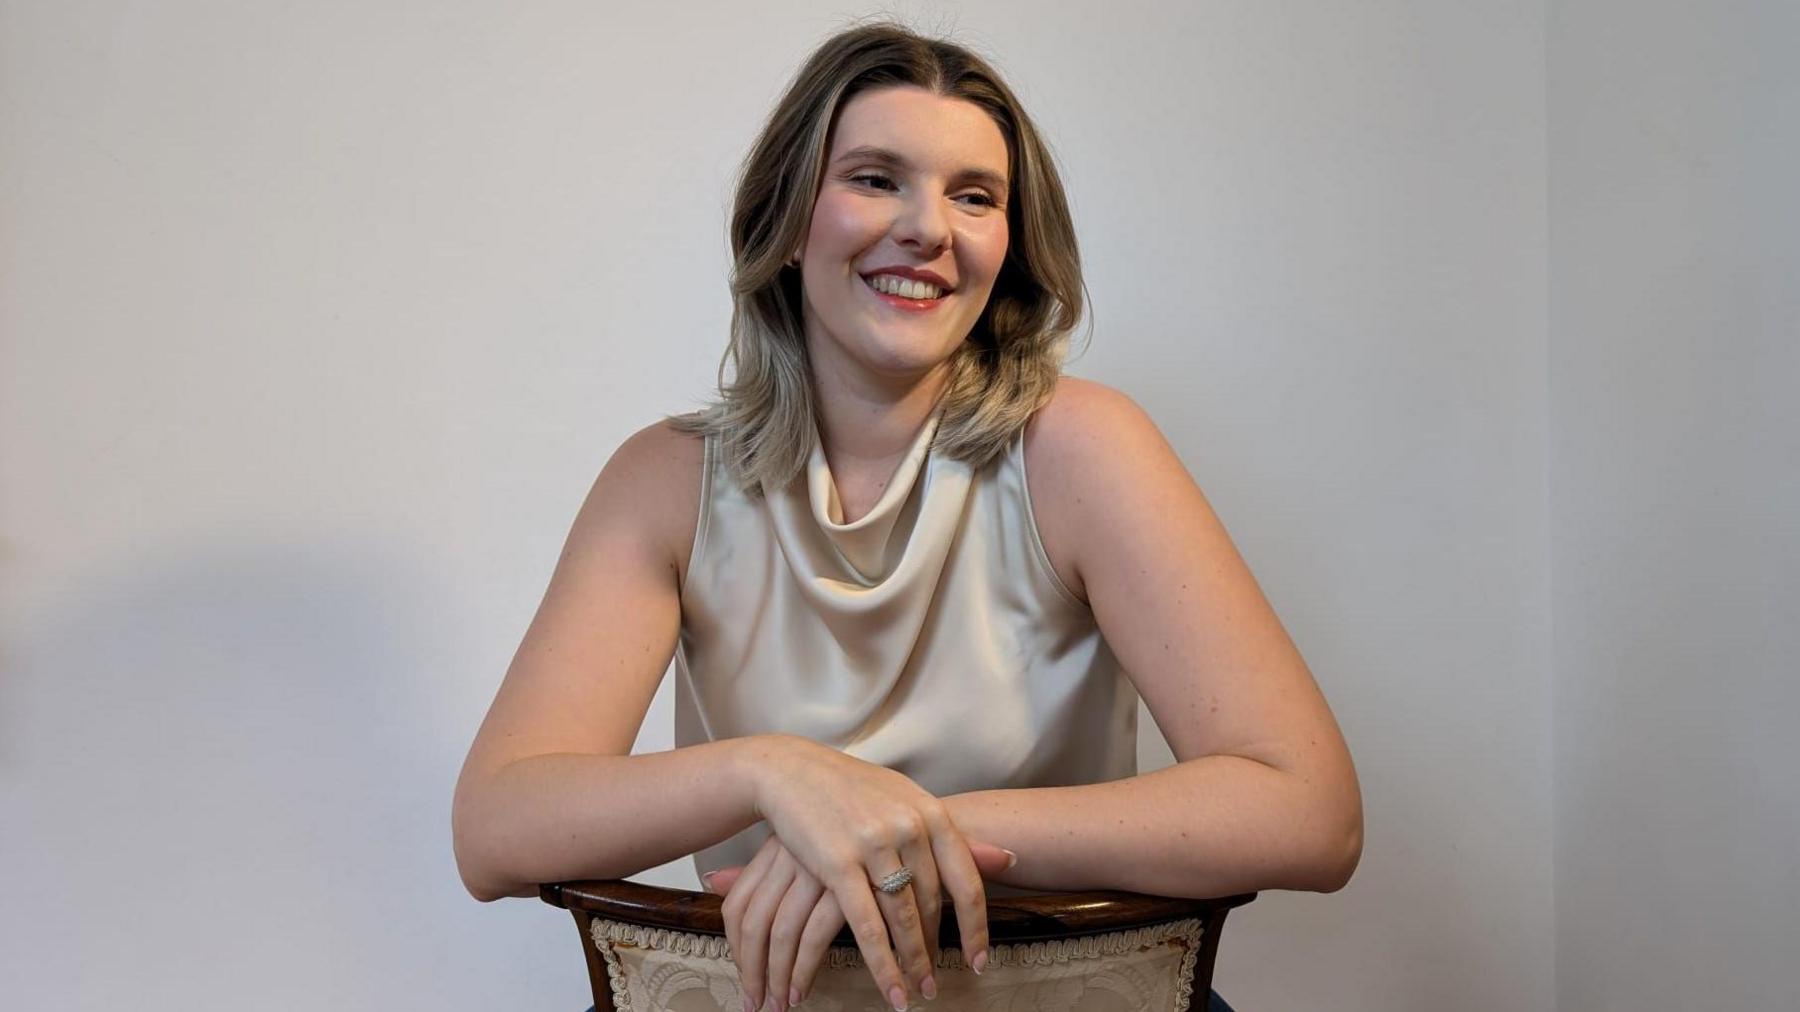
(651, 948)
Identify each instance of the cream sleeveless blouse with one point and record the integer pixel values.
(931, 636)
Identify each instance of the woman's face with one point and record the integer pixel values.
(913, 181)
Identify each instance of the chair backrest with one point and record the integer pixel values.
(650, 947)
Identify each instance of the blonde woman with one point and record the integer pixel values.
(907, 673)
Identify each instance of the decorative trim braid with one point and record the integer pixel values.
(607, 934)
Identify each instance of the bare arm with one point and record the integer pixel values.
(1264, 795)
(1214, 826)
(549, 792)
(556, 818)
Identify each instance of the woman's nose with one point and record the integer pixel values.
(922, 224)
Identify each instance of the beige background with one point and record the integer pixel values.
(1476, 321)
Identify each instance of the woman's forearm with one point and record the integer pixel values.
(1213, 826)
(556, 818)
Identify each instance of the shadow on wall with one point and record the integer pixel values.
(212, 731)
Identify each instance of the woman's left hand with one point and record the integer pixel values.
(780, 920)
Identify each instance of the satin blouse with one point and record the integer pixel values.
(931, 636)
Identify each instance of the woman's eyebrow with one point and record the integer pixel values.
(886, 156)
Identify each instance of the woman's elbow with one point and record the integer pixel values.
(471, 850)
(1341, 859)
(1336, 801)
(474, 877)
(480, 877)
(482, 891)
(1338, 853)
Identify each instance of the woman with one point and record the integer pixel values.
(901, 667)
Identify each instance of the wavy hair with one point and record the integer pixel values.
(1007, 366)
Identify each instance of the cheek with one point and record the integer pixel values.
(841, 222)
(985, 250)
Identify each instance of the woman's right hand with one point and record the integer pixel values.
(851, 823)
(781, 921)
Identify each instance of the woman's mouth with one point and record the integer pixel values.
(912, 296)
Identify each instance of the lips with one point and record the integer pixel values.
(889, 284)
(911, 274)
(902, 302)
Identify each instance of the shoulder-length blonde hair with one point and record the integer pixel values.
(1008, 365)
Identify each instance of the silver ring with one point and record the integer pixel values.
(897, 881)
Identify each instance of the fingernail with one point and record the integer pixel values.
(706, 884)
(1011, 859)
(979, 963)
(928, 988)
(749, 1005)
(793, 996)
(898, 997)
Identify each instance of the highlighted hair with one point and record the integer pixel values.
(1007, 366)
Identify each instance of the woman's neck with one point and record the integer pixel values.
(870, 425)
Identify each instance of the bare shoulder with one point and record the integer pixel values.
(602, 637)
(1083, 414)
(652, 485)
(1078, 448)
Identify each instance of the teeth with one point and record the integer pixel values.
(905, 289)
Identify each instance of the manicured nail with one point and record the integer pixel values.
(928, 988)
(706, 881)
(749, 1005)
(898, 997)
(1011, 859)
(793, 996)
(979, 963)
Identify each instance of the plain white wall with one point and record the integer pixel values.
(1675, 347)
(319, 320)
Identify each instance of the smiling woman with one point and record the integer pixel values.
(905, 673)
(904, 246)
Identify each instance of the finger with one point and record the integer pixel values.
(719, 882)
(731, 911)
(962, 880)
(991, 859)
(815, 941)
(753, 929)
(867, 921)
(905, 927)
(926, 894)
(784, 933)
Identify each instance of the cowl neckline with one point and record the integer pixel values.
(866, 544)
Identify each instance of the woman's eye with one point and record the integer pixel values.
(881, 182)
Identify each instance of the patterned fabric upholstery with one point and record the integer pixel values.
(1147, 968)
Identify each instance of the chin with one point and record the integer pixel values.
(904, 362)
(891, 352)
